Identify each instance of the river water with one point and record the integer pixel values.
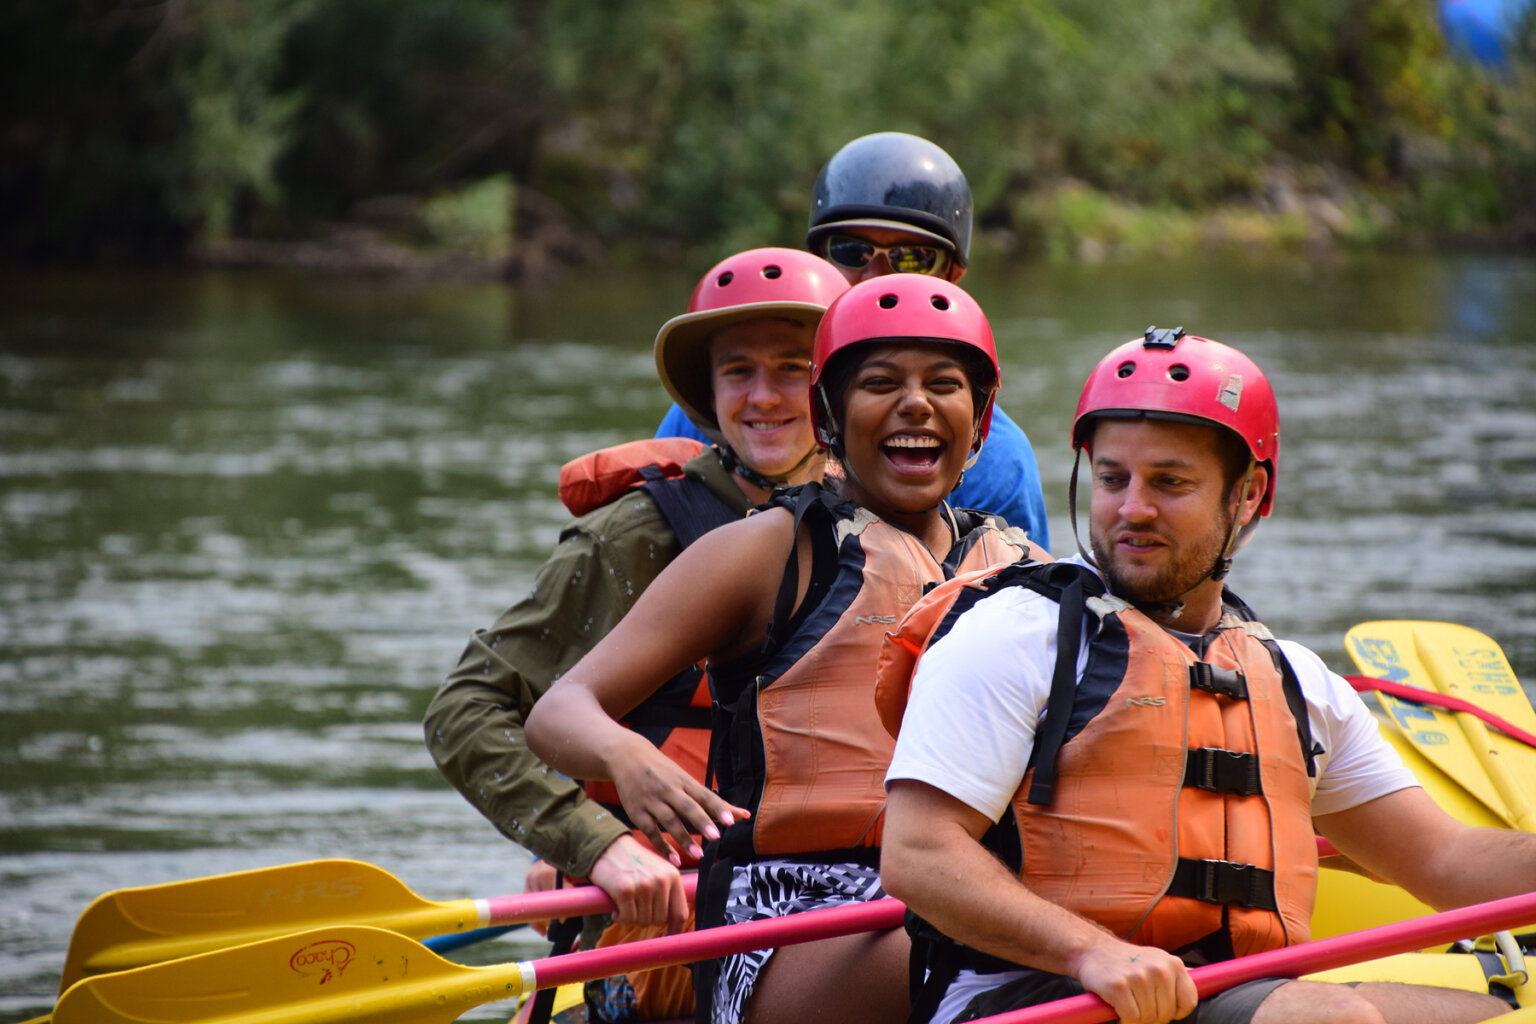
(247, 522)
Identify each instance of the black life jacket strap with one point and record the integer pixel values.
(646, 716)
(935, 962)
(563, 936)
(687, 503)
(823, 555)
(1224, 882)
(1291, 687)
(716, 870)
(1058, 711)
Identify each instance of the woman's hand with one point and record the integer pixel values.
(664, 801)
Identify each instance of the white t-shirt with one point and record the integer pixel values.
(981, 690)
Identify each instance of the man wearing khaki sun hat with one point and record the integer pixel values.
(738, 363)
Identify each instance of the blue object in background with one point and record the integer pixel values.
(1482, 29)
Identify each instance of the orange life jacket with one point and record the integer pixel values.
(1179, 814)
(592, 480)
(801, 744)
(676, 718)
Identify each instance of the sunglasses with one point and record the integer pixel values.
(855, 254)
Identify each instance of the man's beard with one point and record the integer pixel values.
(1163, 590)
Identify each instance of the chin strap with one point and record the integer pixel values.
(1239, 533)
(734, 464)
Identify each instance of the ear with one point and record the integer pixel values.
(1253, 496)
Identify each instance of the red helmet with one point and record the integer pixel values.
(1171, 375)
(899, 307)
(783, 283)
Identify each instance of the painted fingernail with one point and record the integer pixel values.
(696, 851)
(710, 832)
(672, 856)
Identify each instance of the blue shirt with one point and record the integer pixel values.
(1005, 480)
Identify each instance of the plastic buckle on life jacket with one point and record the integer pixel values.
(1224, 882)
(1223, 771)
(1224, 682)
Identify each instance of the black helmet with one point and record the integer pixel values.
(893, 180)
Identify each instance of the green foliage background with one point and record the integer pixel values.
(147, 128)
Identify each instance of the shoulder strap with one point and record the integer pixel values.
(1073, 581)
(1289, 684)
(690, 507)
(1297, 702)
(813, 501)
(563, 935)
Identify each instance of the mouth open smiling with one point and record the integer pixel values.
(913, 452)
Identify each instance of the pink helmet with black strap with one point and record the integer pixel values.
(1167, 374)
(899, 307)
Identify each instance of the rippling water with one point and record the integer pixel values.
(247, 522)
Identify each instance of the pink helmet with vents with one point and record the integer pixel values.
(771, 282)
(899, 307)
(1167, 374)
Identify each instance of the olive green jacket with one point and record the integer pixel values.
(474, 726)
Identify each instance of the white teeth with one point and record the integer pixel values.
(908, 441)
(766, 424)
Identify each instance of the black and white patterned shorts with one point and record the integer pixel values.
(773, 888)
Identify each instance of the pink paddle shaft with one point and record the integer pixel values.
(831, 922)
(577, 901)
(1306, 958)
(1444, 700)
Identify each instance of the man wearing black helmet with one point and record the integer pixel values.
(893, 203)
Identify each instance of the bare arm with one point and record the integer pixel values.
(933, 860)
(1406, 838)
(714, 600)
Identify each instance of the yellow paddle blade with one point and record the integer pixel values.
(133, 927)
(1468, 664)
(1449, 793)
(1387, 650)
(566, 997)
(325, 976)
(1462, 662)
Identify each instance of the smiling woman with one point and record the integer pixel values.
(782, 604)
(905, 381)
